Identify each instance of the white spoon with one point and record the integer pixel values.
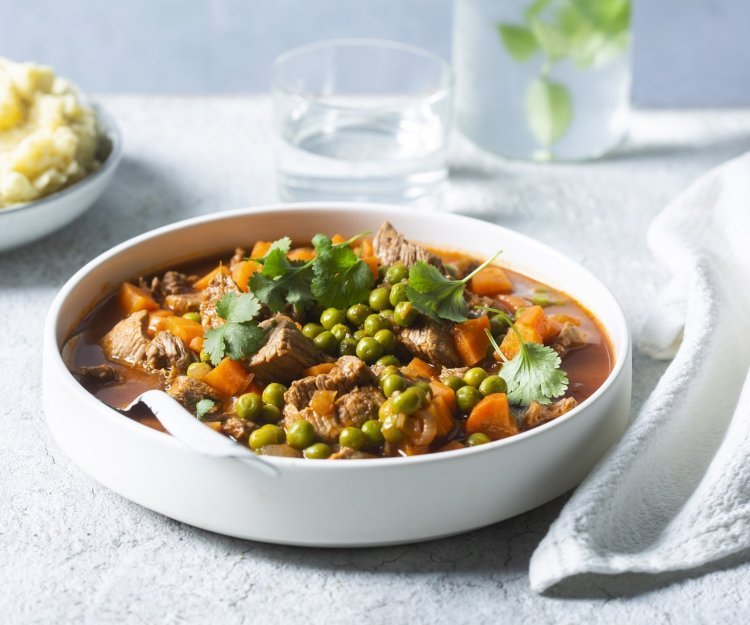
(194, 434)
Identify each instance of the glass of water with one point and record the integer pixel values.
(360, 119)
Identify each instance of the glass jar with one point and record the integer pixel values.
(542, 79)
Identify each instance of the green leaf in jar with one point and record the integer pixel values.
(549, 110)
(519, 41)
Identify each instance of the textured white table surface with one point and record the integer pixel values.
(73, 552)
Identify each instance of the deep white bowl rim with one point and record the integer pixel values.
(389, 210)
(109, 129)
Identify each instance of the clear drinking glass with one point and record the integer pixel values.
(542, 79)
(361, 120)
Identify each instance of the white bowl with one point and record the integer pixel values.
(25, 223)
(328, 503)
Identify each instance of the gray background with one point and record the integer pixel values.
(687, 52)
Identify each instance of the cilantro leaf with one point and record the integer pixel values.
(239, 337)
(437, 296)
(203, 407)
(533, 374)
(341, 278)
(283, 281)
(236, 307)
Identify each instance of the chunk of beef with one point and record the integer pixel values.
(189, 392)
(431, 341)
(458, 371)
(391, 247)
(128, 341)
(571, 337)
(537, 414)
(347, 453)
(166, 351)
(219, 286)
(181, 303)
(358, 405)
(175, 283)
(287, 451)
(237, 428)
(286, 353)
(239, 255)
(349, 372)
(98, 375)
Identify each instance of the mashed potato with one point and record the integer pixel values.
(48, 138)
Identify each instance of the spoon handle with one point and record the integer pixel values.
(195, 435)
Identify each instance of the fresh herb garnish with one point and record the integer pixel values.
(240, 337)
(534, 373)
(436, 296)
(203, 407)
(335, 277)
(341, 277)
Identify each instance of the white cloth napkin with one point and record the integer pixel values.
(674, 493)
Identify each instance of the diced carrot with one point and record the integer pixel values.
(337, 238)
(511, 344)
(132, 299)
(418, 368)
(514, 302)
(443, 414)
(301, 253)
(185, 329)
(492, 417)
(156, 320)
(196, 344)
(214, 425)
(535, 317)
(491, 280)
(228, 377)
(366, 248)
(372, 263)
(260, 249)
(446, 392)
(471, 340)
(203, 282)
(242, 272)
(451, 446)
(323, 367)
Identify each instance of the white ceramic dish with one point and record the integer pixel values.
(25, 223)
(328, 503)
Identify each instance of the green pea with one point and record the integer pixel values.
(398, 293)
(198, 370)
(424, 388)
(467, 397)
(396, 273)
(266, 435)
(193, 316)
(497, 325)
(493, 384)
(390, 430)
(348, 347)
(301, 434)
(311, 330)
(388, 361)
(317, 451)
(340, 331)
(205, 356)
(270, 413)
(392, 383)
(453, 381)
(387, 339)
(371, 430)
(353, 438)
(369, 350)
(389, 370)
(386, 410)
(474, 376)
(405, 314)
(274, 394)
(326, 342)
(359, 335)
(358, 313)
(248, 406)
(379, 298)
(480, 438)
(331, 317)
(409, 401)
(387, 314)
(374, 323)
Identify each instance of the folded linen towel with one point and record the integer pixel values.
(674, 493)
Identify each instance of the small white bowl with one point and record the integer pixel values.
(25, 223)
(332, 503)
